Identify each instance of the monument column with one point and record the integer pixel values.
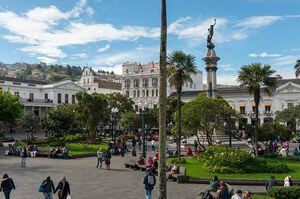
(211, 68)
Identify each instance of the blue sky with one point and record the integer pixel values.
(105, 33)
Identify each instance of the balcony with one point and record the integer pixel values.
(37, 102)
(268, 113)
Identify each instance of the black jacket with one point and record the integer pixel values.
(147, 185)
(7, 184)
(48, 186)
(66, 188)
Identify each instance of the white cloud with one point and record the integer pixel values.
(258, 21)
(39, 31)
(227, 79)
(227, 67)
(90, 11)
(253, 55)
(296, 49)
(47, 60)
(138, 55)
(116, 68)
(49, 15)
(264, 55)
(105, 48)
(289, 60)
(80, 55)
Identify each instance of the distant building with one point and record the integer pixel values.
(38, 97)
(141, 84)
(287, 94)
(105, 83)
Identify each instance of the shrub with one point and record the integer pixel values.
(285, 192)
(219, 159)
(74, 138)
(181, 161)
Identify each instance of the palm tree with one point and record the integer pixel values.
(297, 67)
(162, 181)
(181, 67)
(253, 77)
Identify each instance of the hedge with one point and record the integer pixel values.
(292, 192)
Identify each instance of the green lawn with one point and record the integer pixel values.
(260, 196)
(194, 169)
(77, 149)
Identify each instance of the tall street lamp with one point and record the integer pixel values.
(114, 112)
(143, 106)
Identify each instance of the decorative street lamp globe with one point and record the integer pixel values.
(114, 112)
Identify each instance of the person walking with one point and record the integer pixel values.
(153, 143)
(7, 184)
(48, 187)
(23, 156)
(63, 188)
(106, 158)
(99, 158)
(149, 182)
(271, 183)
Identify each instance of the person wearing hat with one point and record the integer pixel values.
(63, 188)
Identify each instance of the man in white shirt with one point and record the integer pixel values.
(237, 195)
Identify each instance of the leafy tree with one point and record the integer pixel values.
(130, 121)
(204, 115)
(10, 107)
(290, 117)
(120, 101)
(172, 103)
(93, 111)
(151, 118)
(162, 181)
(30, 124)
(179, 72)
(254, 77)
(61, 121)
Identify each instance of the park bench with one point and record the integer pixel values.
(180, 177)
(43, 152)
(130, 164)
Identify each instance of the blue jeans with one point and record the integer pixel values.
(23, 162)
(7, 195)
(48, 195)
(148, 193)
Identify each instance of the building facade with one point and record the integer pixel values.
(141, 84)
(105, 83)
(38, 97)
(287, 94)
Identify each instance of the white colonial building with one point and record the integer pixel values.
(141, 84)
(105, 83)
(287, 94)
(38, 97)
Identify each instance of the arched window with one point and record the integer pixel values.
(134, 93)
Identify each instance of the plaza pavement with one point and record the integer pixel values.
(85, 180)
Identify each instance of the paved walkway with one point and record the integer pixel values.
(86, 181)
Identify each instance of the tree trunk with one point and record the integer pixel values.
(179, 124)
(256, 100)
(162, 182)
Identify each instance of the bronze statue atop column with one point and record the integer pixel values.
(210, 35)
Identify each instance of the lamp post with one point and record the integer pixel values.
(143, 108)
(114, 112)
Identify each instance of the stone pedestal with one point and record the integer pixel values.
(211, 68)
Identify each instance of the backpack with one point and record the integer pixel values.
(151, 180)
